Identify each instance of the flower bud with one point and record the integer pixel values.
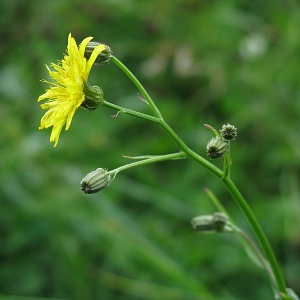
(216, 223)
(103, 58)
(216, 147)
(95, 181)
(228, 132)
(94, 97)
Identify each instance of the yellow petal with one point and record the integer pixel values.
(83, 45)
(93, 56)
(66, 94)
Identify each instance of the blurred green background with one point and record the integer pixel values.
(202, 62)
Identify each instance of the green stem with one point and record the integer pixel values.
(240, 201)
(151, 160)
(227, 164)
(258, 253)
(190, 153)
(258, 231)
(131, 112)
(243, 236)
(193, 155)
(209, 166)
(226, 180)
(217, 203)
(138, 85)
(160, 120)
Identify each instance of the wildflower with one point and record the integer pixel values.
(66, 93)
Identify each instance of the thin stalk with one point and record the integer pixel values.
(217, 203)
(152, 160)
(240, 201)
(258, 231)
(138, 85)
(243, 236)
(209, 166)
(130, 112)
(193, 155)
(226, 180)
(227, 164)
(190, 153)
(258, 253)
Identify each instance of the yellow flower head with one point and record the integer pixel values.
(66, 92)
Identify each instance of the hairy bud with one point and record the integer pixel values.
(103, 58)
(228, 132)
(95, 181)
(216, 223)
(216, 147)
(93, 97)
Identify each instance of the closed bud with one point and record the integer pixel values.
(93, 97)
(95, 181)
(228, 132)
(216, 147)
(216, 223)
(103, 58)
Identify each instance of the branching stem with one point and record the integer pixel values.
(224, 176)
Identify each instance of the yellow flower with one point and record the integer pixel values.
(66, 92)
